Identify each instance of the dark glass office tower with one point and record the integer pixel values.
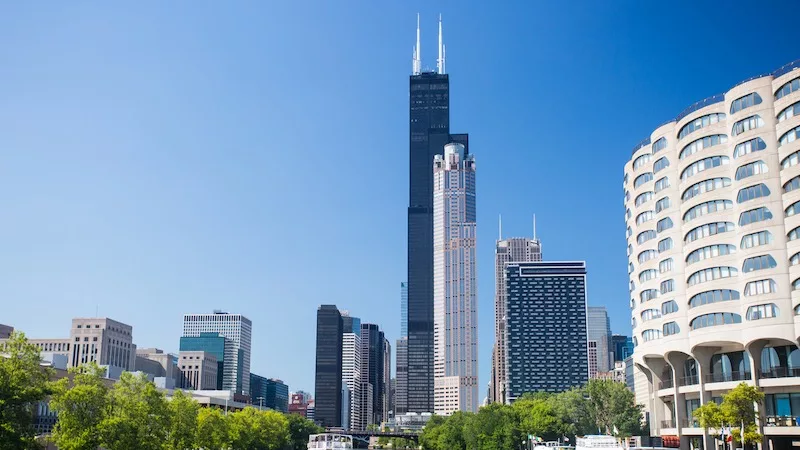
(372, 374)
(328, 380)
(545, 327)
(429, 131)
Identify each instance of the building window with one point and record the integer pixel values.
(667, 286)
(756, 239)
(645, 236)
(700, 144)
(650, 314)
(664, 245)
(747, 101)
(714, 319)
(789, 112)
(665, 266)
(793, 234)
(761, 262)
(750, 146)
(703, 165)
(791, 185)
(669, 307)
(750, 169)
(662, 204)
(747, 124)
(640, 161)
(647, 255)
(759, 287)
(647, 275)
(661, 184)
(709, 229)
(710, 274)
(754, 215)
(788, 88)
(789, 136)
(710, 251)
(661, 164)
(715, 296)
(642, 179)
(793, 209)
(644, 217)
(644, 197)
(758, 312)
(707, 208)
(700, 122)
(752, 193)
(659, 145)
(647, 295)
(790, 160)
(794, 260)
(664, 224)
(670, 328)
(649, 335)
(705, 186)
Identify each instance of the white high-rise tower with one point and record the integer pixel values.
(455, 292)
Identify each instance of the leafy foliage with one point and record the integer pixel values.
(80, 407)
(300, 429)
(138, 415)
(259, 430)
(23, 383)
(212, 430)
(183, 411)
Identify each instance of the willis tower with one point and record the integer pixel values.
(429, 131)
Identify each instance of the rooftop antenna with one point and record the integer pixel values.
(534, 227)
(500, 227)
(440, 61)
(416, 66)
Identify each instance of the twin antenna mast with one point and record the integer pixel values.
(416, 63)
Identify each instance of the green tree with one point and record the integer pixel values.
(612, 404)
(572, 409)
(738, 407)
(710, 416)
(429, 438)
(81, 406)
(23, 383)
(300, 429)
(537, 416)
(212, 430)
(493, 427)
(138, 415)
(259, 430)
(183, 412)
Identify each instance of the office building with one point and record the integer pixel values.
(711, 202)
(238, 330)
(429, 131)
(598, 329)
(351, 372)
(104, 341)
(593, 358)
(219, 346)
(350, 324)
(328, 379)
(401, 356)
(163, 367)
(53, 347)
(373, 380)
(5, 331)
(455, 288)
(506, 250)
(198, 370)
(269, 393)
(298, 402)
(622, 347)
(546, 344)
(387, 401)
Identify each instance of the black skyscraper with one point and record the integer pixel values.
(372, 372)
(328, 381)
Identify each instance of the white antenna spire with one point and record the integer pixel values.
(416, 65)
(440, 61)
(534, 227)
(499, 227)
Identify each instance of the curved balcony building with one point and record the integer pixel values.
(713, 231)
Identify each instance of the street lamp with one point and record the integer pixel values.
(260, 402)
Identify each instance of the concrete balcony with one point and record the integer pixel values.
(782, 426)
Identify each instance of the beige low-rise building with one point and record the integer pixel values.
(198, 370)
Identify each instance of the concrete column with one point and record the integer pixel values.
(657, 412)
(703, 357)
(753, 352)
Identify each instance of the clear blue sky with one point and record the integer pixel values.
(176, 157)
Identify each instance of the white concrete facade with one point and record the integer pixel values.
(104, 341)
(238, 329)
(455, 292)
(714, 253)
(351, 375)
(198, 370)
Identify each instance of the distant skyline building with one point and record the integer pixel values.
(236, 328)
(429, 131)
(373, 380)
(198, 370)
(351, 371)
(388, 398)
(506, 250)
(269, 393)
(455, 290)
(104, 341)
(622, 346)
(328, 374)
(298, 402)
(598, 329)
(401, 356)
(5, 331)
(219, 346)
(546, 340)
